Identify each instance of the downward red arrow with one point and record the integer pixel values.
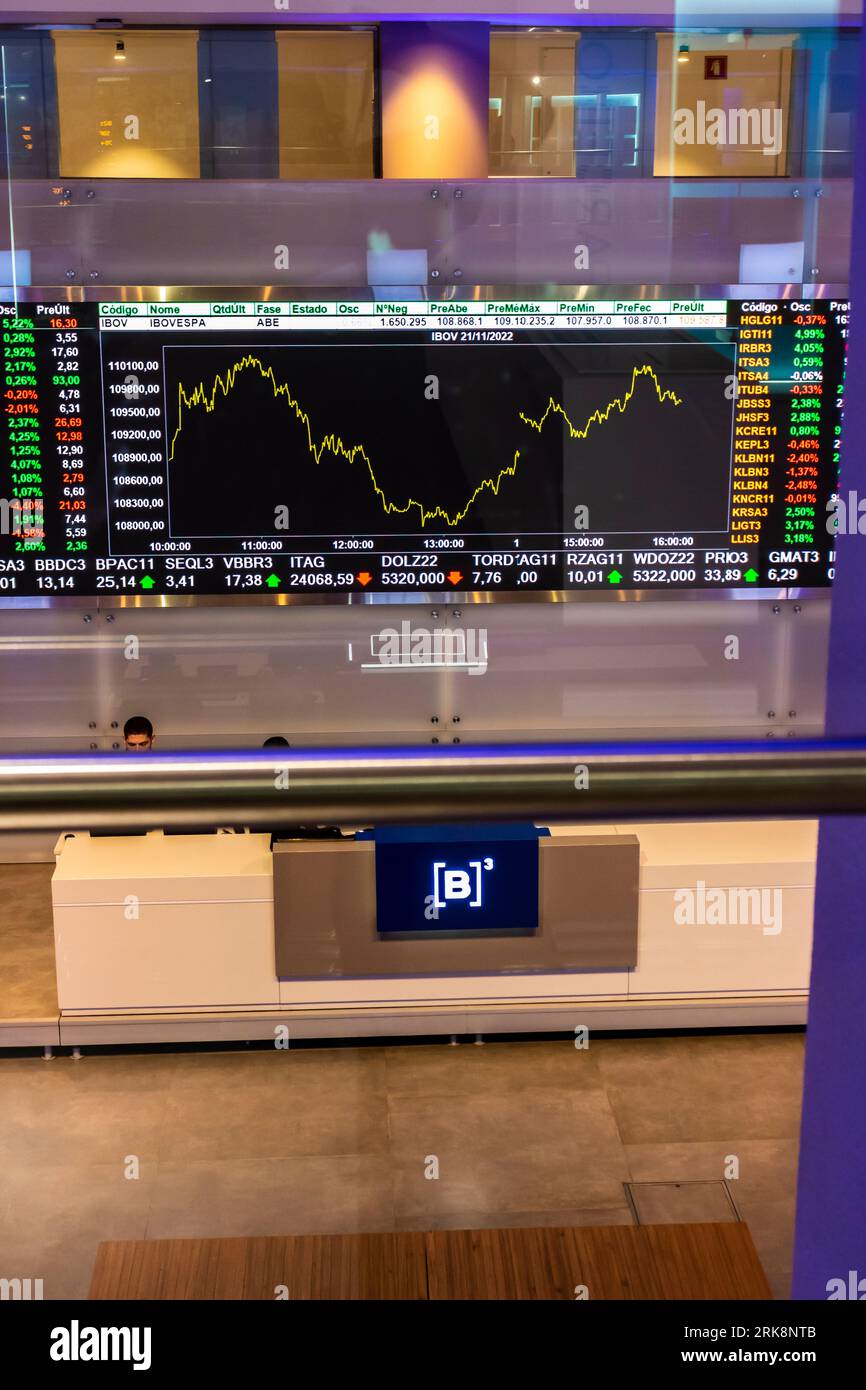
(364, 578)
(454, 577)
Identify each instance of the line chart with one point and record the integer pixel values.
(209, 398)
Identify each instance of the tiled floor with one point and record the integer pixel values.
(346, 1139)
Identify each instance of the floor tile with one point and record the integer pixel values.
(766, 1167)
(483, 1220)
(54, 1218)
(272, 1196)
(95, 1110)
(504, 1067)
(270, 1104)
(670, 1090)
(535, 1151)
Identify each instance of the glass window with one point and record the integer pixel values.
(326, 107)
(835, 134)
(614, 71)
(532, 103)
(26, 96)
(723, 104)
(128, 103)
(239, 105)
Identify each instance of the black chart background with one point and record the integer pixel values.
(654, 467)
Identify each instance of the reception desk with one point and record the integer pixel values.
(167, 938)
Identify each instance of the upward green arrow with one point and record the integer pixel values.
(614, 577)
(750, 576)
(146, 582)
(272, 581)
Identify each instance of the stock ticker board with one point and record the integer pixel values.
(330, 448)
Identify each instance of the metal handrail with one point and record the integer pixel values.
(547, 783)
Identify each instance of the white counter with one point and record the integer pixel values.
(163, 921)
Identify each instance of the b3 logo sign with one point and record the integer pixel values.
(459, 885)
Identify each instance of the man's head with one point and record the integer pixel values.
(138, 734)
(276, 741)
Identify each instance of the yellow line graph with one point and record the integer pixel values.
(333, 444)
(599, 417)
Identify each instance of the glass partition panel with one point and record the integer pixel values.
(127, 103)
(26, 139)
(614, 101)
(413, 233)
(238, 102)
(326, 111)
(532, 103)
(829, 80)
(691, 232)
(723, 104)
(213, 675)
(124, 232)
(833, 211)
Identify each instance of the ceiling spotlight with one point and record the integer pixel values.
(536, 81)
(683, 54)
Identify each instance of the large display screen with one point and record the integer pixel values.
(333, 448)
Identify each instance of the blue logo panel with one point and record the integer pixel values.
(457, 887)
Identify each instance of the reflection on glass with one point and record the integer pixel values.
(326, 103)
(128, 103)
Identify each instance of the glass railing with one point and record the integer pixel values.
(410, 233)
